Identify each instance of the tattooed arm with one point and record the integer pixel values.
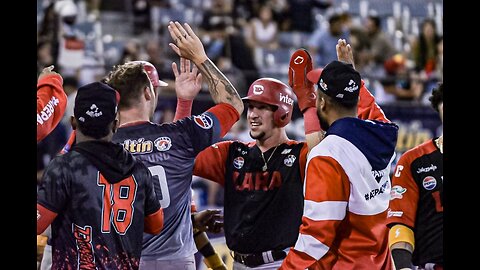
(189, 46)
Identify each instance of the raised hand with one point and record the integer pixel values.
(344, 52)
(47, 71)
(187, 44)
(188, 82)
(300, 64)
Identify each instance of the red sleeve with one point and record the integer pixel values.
(404, 193)
(303, 160)
(210, 163)
(71, 141)
(327, 190)
(368, 108)
(184, 108)
(51, 104)
(227, 115)
(45, 217)
(154, 222)
(312, 123)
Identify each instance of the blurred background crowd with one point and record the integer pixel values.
(398, 50)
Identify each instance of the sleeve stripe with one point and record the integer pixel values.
(311, 246)
(328, 210)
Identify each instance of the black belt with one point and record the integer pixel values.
(256, 259)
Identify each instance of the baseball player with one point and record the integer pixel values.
(347, 183)
(415, 216)
(98, 197)
(169, 149)
(263, 180)
(51, 101)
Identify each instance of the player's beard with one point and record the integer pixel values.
(259, 136)
(323, 122)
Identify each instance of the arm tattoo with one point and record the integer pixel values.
(219, 86)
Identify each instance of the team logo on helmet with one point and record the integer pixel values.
(238, 162)
(396, 192)
(258, 89)
(298, 60)
(429, 182)
(289, 160)
(204, 121)
(163, 143)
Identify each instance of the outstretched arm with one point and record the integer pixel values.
(189, 46)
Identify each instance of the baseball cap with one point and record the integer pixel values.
(96, 105)
(152, 73)
(338, 80)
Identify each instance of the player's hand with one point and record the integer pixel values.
(300, 64)
(47, 71)
(210, 220)
(344, 52)
(187, 44)
(187, 82)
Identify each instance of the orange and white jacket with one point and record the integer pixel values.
(51, 104)
(347, 192)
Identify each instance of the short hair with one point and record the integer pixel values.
(437, 96)
(129, 80)
(94, 132)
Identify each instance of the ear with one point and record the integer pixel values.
(73, 122)
(115, 125)
(321, 102)
(149, 94)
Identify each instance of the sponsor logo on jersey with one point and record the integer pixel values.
(377, 191)
(427, 169)
(429, 182)
(257, 180)
(238, 162)
(396, 192)
(286, 151)
(288, 161)
(47, 111)
(391, 213)
(286, 99)
(378, 175)
(258, 89)
(163, 143)
(138, 146)
(204, 121)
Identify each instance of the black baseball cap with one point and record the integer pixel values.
(96, 105)
(337, 80)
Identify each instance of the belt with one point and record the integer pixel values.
(256, 259)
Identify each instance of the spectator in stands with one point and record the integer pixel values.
(323, 41)
(380, 47)
(424, 48)
(300, 13)
(263, 30)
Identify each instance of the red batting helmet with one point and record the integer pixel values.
(273, 92)
(152, 73)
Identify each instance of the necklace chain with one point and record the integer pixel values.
(264, 168)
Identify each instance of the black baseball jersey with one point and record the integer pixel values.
(262, 209)
(101, 197)
(417, 200)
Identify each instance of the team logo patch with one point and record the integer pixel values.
(352, 86)
(258, 89)
(238, 162)
(396, 192)
(289, 160)
(163, 143)
(204, 121)
(429, 182)
(298, 60)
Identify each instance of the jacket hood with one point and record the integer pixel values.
(112, 160)
(375, 139)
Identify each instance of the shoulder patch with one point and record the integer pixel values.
(204, 121)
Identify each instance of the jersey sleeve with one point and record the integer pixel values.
(53, 192)
(51, 104)
(368, 108)
(404, 194)
(303, 160)
(207, 128)
(210, 163)
(327, 191)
